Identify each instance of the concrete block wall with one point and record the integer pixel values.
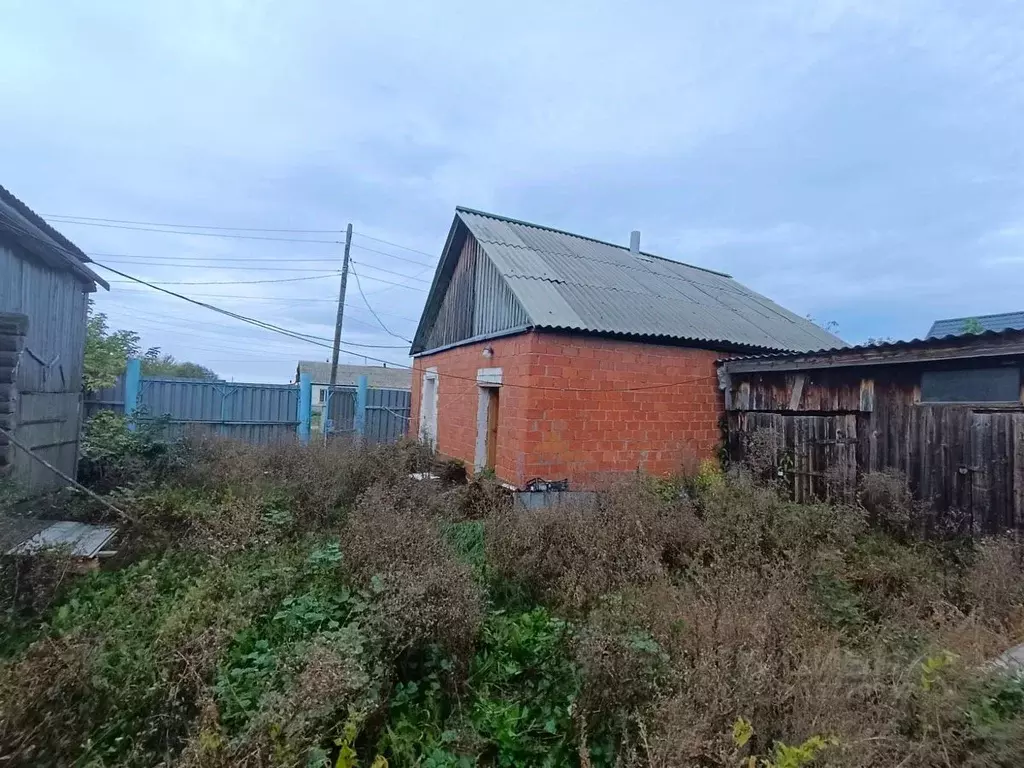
(565, 411)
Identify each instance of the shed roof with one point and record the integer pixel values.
(22, 225)
(954, 326)
(378, 377)
(570, 282)
(952, 347)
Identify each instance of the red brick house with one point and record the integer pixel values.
(543, 354)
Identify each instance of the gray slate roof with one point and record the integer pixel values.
(954, 326)
(569, 282)
(378, 377)
(23, 226)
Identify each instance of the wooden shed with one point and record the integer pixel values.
(948, 413)
(44, 287)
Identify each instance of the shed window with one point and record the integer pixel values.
(976, 385)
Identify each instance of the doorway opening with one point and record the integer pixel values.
(428, 408)
(491, 453)
(488, 382)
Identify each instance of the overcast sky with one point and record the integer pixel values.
(860, 162)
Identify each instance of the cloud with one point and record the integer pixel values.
(852, 160)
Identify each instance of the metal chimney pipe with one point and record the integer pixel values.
(634, 241)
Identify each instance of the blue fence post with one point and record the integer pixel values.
(360, 415)
(305, 406)
(132, 389)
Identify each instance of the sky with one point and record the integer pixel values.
(858, 162)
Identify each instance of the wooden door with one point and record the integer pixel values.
(492, 426)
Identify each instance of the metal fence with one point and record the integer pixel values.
(254, 413)
(385, 414)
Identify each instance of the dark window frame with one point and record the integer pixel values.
(1000, 381)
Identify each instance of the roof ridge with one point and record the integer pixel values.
(35, 219)
(510, 220)
(979, 317)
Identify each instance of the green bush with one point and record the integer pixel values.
(291, 606)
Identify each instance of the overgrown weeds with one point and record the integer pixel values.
(573, 553)
(293, 606)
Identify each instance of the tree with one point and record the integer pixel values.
(155, 363)
(972, 325)
(829, 325)
(106, 354)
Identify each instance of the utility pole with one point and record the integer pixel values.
(326, 413)
(341, 307)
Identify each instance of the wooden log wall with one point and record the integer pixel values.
(13, 328)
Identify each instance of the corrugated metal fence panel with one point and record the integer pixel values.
(254, 413)
(106, 399)
(387, 414)
(341, 410)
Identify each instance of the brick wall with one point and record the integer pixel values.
(565, 411)
(458, 396)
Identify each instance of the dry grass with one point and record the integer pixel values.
(667, 622)
(424, 594)
(573, 553)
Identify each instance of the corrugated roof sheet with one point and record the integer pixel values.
(894, 346)
(23, 225)
(79, 539)
(570, 282)
(378, 377)
(954, 326)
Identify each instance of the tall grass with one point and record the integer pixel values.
(290, 606)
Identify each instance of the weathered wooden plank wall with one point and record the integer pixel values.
(829, 428)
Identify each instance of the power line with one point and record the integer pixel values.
(197, 234)
(511, 385)
(224, 282)
(396, 245)
(359, 285)
(138, 315)
(275, 259)
(218, 266)
(292, 334)
(388, 271)
(393, 285)
(393, 256)
(237, 316)
(289, 299)
(68, 218)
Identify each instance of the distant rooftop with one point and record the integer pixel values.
(957, 326)
(378, 376)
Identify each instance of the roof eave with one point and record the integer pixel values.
(954, 347)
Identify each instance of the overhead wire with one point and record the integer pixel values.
(216, 266)
(292, 334)
(396, 245)
(230, 282)
(387, 271)
(367, 303)
(233, 330)
(68, 218)
(393, 256)
(230, 236)
(275, 259)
